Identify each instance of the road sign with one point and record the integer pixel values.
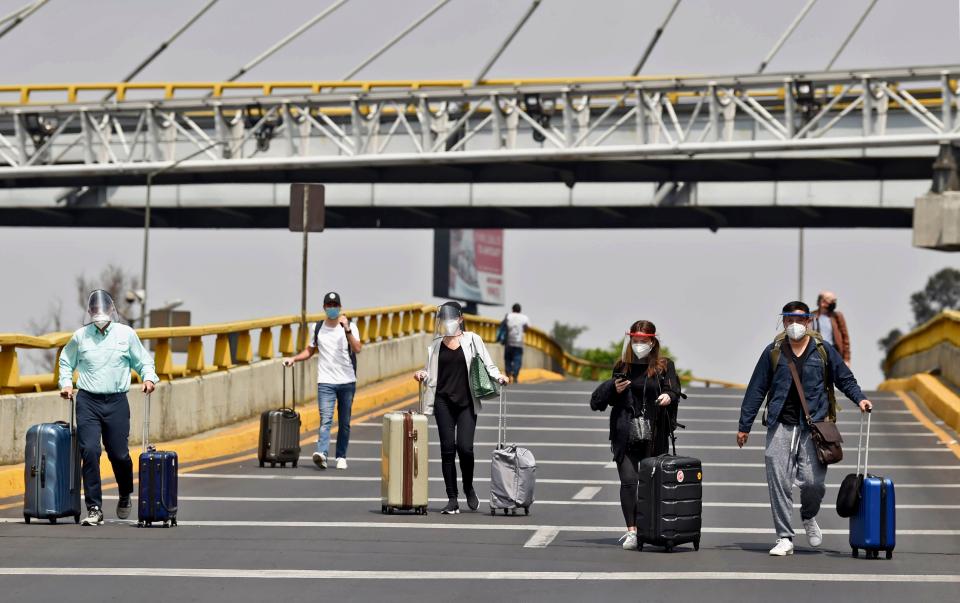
(314, 194)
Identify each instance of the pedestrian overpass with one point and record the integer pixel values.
(772, 150)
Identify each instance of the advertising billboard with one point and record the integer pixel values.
(468, 265)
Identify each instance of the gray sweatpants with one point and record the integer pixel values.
(792, 456)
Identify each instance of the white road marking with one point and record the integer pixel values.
(377, 500)
(726, 432)
(586, 493)
(686, 446)
(269, 574)
(590, 482)
(412, 524)
(684, 406)
(541, 538)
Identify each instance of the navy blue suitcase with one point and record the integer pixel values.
(51, 472)
(157, 494)
(874, 527)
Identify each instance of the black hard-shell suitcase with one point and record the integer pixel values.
(280, 433)
(158, 480)
(669, 501)
(52, 472)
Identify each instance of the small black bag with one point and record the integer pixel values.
(848, 498)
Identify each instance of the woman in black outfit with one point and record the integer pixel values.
(644, 385)
(449, 399)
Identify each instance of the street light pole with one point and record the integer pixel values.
(146, 225)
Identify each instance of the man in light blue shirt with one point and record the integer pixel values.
(102, 352)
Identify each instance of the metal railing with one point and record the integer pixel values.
(339, 124)
(374, 325)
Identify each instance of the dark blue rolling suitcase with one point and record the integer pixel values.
(157, 494)
(52, 472)
(874, 527)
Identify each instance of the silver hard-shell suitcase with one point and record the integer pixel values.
(513, 471)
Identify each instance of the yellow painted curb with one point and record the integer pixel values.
(236, 438)
(940, 399)
(536, 374)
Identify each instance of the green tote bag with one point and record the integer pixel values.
(482, 385)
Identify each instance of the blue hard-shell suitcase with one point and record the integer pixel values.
(157, 501)
(157, 494)
(874, 527)
(51, 473)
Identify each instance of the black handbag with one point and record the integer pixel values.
(848, 498)
(641, 431)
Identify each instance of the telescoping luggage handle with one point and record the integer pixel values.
(502, 420)
(293, 388)
(866, 451)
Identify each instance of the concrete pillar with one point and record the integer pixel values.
(936, 221)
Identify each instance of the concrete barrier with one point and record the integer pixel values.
(192, 405)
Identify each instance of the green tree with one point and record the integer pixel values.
(566, 335)
(886, 343)
(942, 292)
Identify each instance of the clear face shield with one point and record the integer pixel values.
(101, 309)
(448, 321)
(637, 346)
(795, 324)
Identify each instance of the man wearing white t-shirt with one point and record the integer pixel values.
(336, 341)
(516, 326)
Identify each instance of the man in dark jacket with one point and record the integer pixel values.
(790, 452)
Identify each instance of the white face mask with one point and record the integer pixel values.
(101, 324)
(450, 327)
(796, 331)
(641, 350)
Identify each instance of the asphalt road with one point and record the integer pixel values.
(252, 534)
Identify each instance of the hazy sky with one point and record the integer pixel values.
(713, 296)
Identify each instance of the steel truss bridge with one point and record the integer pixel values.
(676, 133)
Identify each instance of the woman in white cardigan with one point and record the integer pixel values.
(449, 399)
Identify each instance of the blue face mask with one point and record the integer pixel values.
(332, 313)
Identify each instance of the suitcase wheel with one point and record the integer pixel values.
(669, 547)
(696, 544)
(855, 552)
(173, 522)
(493, 513)
(261, 463)
(526, 510)
(283, 465)
(889, 554)
(506, 511)
(273, 465)
(76, 518)
(26, 519)
(390, 510)
(52, 520)
(513, 511)
(294, 464)
(425, 512)
(383, 509)
(166, 524)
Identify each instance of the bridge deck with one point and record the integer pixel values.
(241, 525)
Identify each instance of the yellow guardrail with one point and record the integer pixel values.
(374, 324)
(26, 94)
(944, 327)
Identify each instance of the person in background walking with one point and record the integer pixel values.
(516, 326)
(831, 324)
(102, 352)
(791, 454)
(337, 342)
(644, 384)
(449, 398)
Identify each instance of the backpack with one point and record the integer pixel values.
(827, 377)
(502, 331)
(353, 355)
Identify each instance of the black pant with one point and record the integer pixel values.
(456, 425)
(629, 483)
(107, 415)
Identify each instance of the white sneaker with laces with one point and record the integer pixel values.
(783, 548)
(814, 535)
(629, 541)
(341, 464)
(320, 460)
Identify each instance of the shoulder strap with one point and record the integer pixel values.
(316, 332)
(803, 399)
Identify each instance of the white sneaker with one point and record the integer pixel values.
(783, 548)
(320, 460)
(341, 463)
(629, 541)
(814, 535)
